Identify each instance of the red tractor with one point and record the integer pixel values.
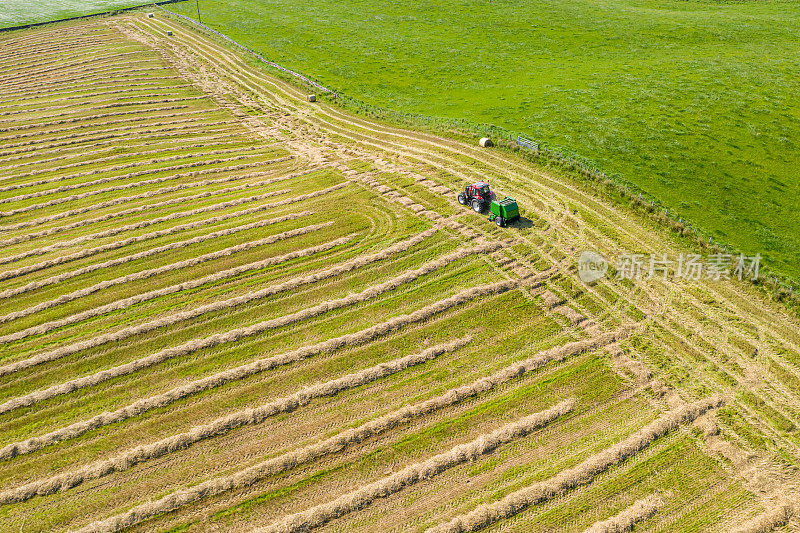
(476, 195)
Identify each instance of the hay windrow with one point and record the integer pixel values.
(145, 274)
(8, 274)
(149, 194)
(210, 341)
(771, 519)
(363, 432)
(629, 517)
(227, 423)
(410, 475)
(126, 186)
(127, 302)
(584, 473)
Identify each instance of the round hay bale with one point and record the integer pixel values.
(486, 142)
(312, 97)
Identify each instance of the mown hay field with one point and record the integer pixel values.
(223, 307)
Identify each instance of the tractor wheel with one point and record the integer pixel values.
(462, 198)
(500, 221)
(477, 206)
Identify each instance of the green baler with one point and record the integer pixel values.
(503, 211)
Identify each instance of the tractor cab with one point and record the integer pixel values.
(478, 195)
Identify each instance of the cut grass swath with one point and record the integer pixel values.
(581, 474)
(8, 274)
(212, 340)
(145, 274)
(334, 444)
(410, 475)
(227, 423)
(629, 517)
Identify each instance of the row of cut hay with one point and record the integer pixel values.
(86, 74)
(146, 253)
(130, 89)
(31, 82)
(211, 278)
(102, 170)
(34, 139)
(629, 517)
(151, 131)
(243, 370)
(87, 252)
(125, 212)
(174, 216)
(119, 200)
(83, 93)
(145, 274)
(412, 474)
(27, 48)
(581, 474)
(97, 128)
(115, 168)
(91, 105)
(207, 342)
(295, 458)
(93, 155)
(118, 79)
(36, 125)
(240, 418)
(65, 68)
(36, 156)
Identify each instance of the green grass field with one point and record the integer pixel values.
(694, 102)
(18, 12)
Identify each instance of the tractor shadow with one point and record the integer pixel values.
(522, 223)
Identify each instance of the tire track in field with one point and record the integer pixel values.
(145, 274)
(582, 474)
(212, 340)
(255, 415)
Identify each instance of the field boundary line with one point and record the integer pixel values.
(257, 415)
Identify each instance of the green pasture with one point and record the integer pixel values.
(694, 102)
